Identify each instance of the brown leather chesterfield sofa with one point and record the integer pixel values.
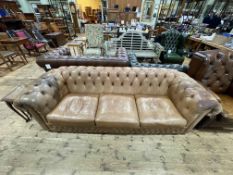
(62, 57)
(115, 100)
(213, 68)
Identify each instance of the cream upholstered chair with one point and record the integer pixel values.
(95, 39)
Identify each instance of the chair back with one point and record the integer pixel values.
(171, 39)
(131, 40)
(38, 35)
(21, 34)
(95, 35)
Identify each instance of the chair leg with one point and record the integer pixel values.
(37, 51)
(7, 63)
(45, 48)
(22, 59)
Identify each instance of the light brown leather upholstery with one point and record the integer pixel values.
(79, 110)
(117, 88)
(158, 112)
(117, 111)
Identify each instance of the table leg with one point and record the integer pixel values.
(22, 114)
(82, 48)
(22, 53)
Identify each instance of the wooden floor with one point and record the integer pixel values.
(26, 149)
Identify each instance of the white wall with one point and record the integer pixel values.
(44, 1)
(25, 6)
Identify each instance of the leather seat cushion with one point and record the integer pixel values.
(145, 54)
(92, 51)
(78, 110)
(174, 58)
(117, 111)
(158, 112)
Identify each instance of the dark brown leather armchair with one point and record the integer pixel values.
(213, 68)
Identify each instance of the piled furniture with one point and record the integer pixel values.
(7, 57)
(213, 68)
(173, 43)
(13, 44)
(114, 100)
(33, 44)
(8, 54)
(135, 63)
(136, 43)
(62, 57)
(95, 39)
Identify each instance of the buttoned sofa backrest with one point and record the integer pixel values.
(117, 80)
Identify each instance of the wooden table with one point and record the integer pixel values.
(82, 39)
(58, 38)
(76, 47)
(198, 42)
(16, 41)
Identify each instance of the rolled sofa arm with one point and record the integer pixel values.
(192, 100)
(40, 98)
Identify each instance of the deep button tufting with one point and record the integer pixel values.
(49, 85)
(146, 75)
(103, 83)
(70, 74)
(26, 93)
(108, 74)
(42, 92)
(89, 74)
(84, 83)
(112, 83)
(156, 75)
(150, 84)
(131, 84)
(75, 82)
(93, 83)
(136, 75)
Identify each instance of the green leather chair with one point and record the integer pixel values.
(173, 43)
